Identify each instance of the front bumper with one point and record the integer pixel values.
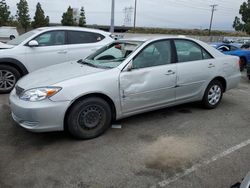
(42, 116)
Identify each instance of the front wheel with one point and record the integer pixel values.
(8, 78)
(89, 118)
(213, 95)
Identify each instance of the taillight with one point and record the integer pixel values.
(239, 64)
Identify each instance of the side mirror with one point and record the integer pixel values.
(33, 43)
(129, 66)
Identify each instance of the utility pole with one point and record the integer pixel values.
(135, 14)
(112, 24)
(212, 16)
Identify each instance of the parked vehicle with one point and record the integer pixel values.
(44, 47)
(124, 78)
(8, 33)
(234, 49)
(244, 184)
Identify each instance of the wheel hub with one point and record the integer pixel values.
(7, 79)
(90, 117)
(214, 95)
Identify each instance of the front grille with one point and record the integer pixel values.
(19, 90)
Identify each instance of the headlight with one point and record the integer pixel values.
(38, 94)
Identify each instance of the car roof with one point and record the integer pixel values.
(72, 28)
(151, 38)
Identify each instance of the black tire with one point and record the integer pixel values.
(242, 64)
(206, 102)
(12, 37)
(248, 77)
(89, 118)
(10, 83)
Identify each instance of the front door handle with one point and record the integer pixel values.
(211, 65)
(62, 52)
(170, 72)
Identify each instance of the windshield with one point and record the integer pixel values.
(112, 55)
(18, 40)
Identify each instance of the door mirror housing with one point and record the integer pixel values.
(129, 66)
(33, 43)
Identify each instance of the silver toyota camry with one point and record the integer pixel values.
(124, 78)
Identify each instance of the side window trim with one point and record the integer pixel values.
(202, 49)
(65, 38)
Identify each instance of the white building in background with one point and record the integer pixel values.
(76, 14)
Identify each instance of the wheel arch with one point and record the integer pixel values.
(99, 95)
(222, 80)
(14, 63)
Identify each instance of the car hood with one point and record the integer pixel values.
(5, 46)
(54, 74)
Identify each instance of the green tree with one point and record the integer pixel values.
(82, 19)
(4, 13)
(244, 23)
(237, 25)
(39, 19)
(23, 14)
(67, 17)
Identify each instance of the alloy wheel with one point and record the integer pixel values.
(7, 80)
(214, 95)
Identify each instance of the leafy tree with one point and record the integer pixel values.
(23, 14)
(67, 17)
(39, 18)
(244, 23)
(237, 25)
(4, 13)
(82, 19)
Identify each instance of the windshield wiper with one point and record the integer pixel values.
(81, 61)
(87, 63)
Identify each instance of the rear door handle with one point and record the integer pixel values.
(211, 65)
(170, 72)
(62, 52)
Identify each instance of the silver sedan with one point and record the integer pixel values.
(124, 78)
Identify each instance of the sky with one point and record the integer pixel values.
(193, 14)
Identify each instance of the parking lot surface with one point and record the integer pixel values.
(183, 146)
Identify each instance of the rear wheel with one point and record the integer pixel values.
(89, 118)
(8, 78)
(213, 95)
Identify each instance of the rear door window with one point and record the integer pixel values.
(190, 51)
(81, 37)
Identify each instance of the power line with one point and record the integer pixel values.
(212, 16)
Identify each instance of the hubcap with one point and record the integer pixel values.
(7, 80)
(90, 117)
(214, 95)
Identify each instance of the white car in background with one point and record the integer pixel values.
(46, 46)
(8, 33)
